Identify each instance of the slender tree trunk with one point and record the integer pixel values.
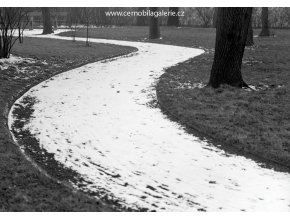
(55, 24)
(232, 30)
(87, 40)
(69, 17)
(74, 33)
(250, 37)
(47, 27)
(154, 28)
(19, 34)
(141, 20)
(265, 23)
(86, 16)
(31, 24)
(173, 20)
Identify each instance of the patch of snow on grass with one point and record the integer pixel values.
(15, 60)
(189, 85)
(12, 61)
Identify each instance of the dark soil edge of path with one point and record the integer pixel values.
(29, 188)
(45, 161)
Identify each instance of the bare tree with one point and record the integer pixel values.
(73, 19)
(86, 14)
(205, 15)
(141, 20)
(98, 16)
(47, 27)
(265, 23)
(279, 17)
(11, 20)
(256, 17)
(173, 20)
(154, 27)
(287, 16)
(231, 35)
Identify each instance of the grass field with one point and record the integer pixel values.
(185, 36)
(251, 122)
(22, 186)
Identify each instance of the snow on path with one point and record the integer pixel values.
(96, 120)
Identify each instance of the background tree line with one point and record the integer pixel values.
(194, 17)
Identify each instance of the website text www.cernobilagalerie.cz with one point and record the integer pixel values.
(149, 13)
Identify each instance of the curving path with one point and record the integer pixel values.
(98, 120)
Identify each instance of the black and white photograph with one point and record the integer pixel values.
(144, 109)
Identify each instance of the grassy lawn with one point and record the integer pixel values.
(73, 51)
(22, 186)
(185, 36)
(253, 123)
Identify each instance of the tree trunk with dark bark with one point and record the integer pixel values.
(250, 37)
(231, 35)
(173, 20)
(47, 27)
(154, 28)
(141, 20)
(20, 35)
(265, 23)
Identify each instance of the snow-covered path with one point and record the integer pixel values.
(97, 120)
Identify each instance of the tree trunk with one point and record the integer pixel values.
(173, 20)
(19, 34)
(141, 20)
(231, 35)
(47, 27)
(55, 24)
(250, 37)
(87, 40)
(154, 28)
(265, 23)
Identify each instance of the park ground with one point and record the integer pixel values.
(252, 122)
(23, 187)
